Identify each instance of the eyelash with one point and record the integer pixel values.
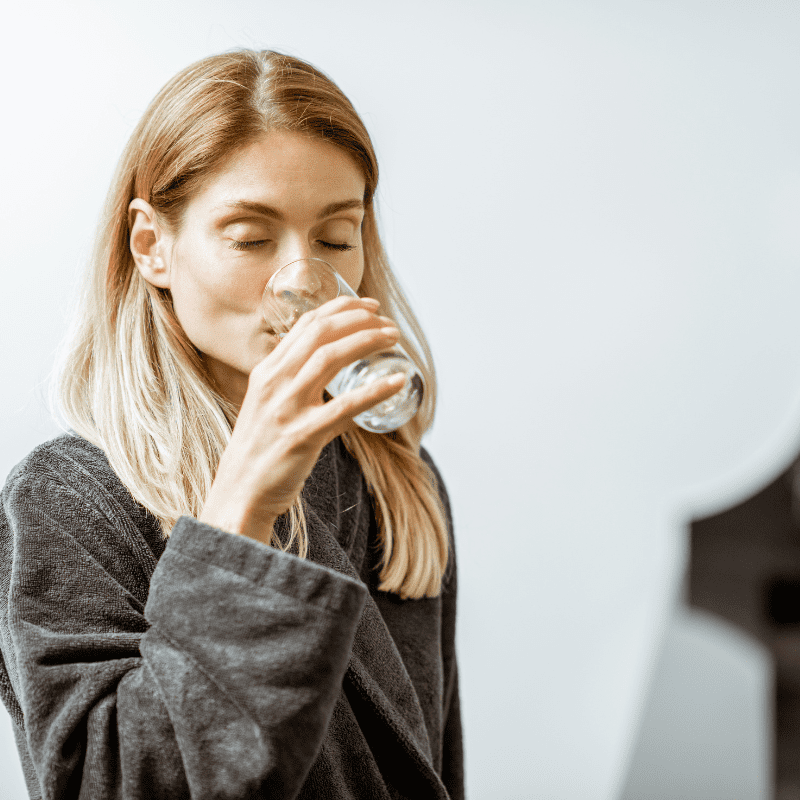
(332, 246)
(252, 245)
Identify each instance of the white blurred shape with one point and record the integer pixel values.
(706, 730)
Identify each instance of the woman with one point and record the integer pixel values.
(216, 584)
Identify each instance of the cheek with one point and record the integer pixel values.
(353, 273)
(215, 303)
(204, 282)
(355, 280)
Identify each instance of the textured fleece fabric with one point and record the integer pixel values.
(208, 665)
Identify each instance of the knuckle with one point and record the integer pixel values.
(322, 326)
(294, 438)
(364, 316)
(280, 416)
(322, 358)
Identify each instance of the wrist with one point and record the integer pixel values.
(238, 521)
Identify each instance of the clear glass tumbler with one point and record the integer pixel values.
(306, 284)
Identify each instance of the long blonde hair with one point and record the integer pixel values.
(132, 383)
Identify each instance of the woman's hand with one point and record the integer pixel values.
(283, 423)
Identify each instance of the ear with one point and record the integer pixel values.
(150, 244)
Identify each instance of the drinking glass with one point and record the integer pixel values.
(306, 284)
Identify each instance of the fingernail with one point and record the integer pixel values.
(390, 331)
(371, 300)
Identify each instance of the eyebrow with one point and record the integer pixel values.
(269, 211)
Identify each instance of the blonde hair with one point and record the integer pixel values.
(132, 383)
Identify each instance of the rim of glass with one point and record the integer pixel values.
(297, 261)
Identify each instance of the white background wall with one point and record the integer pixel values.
(593, 206)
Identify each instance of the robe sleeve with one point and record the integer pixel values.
(220, 684)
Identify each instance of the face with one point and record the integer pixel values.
(285, 196)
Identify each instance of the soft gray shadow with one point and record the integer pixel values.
(706, 730)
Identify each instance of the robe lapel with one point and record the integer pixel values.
(375, 661)
(376, 667)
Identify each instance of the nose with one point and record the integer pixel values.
(294, 247)
(301, 286)
(288, 269)
(304, 276)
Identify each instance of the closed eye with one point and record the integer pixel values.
(251, 245)
(334, 246)
(237, 244)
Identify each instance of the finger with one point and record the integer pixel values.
(336, 416)
(326, 328)
(339, 304)
(332, 307)
(300, 373)
(336, 318)
(325, 362)
(300, 345)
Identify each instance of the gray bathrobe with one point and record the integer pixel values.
(209, 665)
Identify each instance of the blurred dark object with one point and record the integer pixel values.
(745, 566)
(783, 601)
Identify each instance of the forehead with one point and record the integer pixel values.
(284, 168)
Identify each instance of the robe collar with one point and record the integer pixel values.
(338, 513)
